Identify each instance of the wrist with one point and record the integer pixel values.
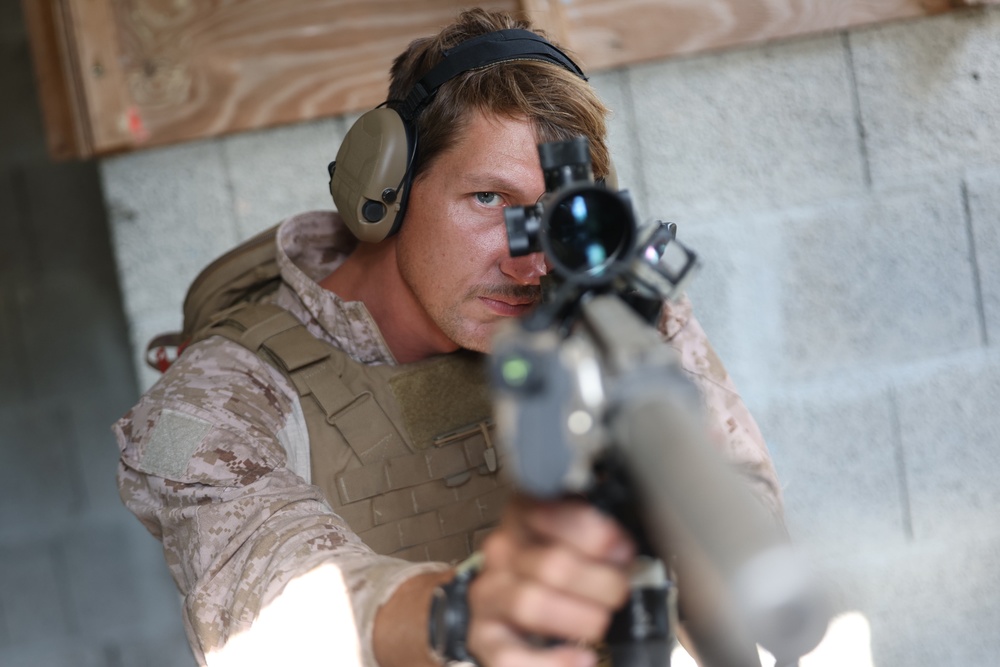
(449, 615)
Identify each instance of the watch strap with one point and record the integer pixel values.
(448, 620)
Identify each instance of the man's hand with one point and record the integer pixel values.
(553, 570)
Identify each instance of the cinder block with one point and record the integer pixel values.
(58, 652)
(951, 437)
(834, 449)
(877, 281)
(983, 191)
(747, 130)
(102, 588)
(928, 93)
(736, 293)
(156, 650)
(928, 603)
(171, 213)
(117, 584)
(30, 595)
(73, 336)
(159, 608)
(279, 172)
(38, 485)
(623, 137)
(95, 453)
(880, 281)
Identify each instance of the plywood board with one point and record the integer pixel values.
(611, 34)
(95, 58)
(118, 75)
(206, 67)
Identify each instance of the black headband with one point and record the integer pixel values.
(482, 51)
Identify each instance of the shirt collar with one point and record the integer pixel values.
(310, 246)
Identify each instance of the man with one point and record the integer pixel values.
(269, 529)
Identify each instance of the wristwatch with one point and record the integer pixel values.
(448, 620)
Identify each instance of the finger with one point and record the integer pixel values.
(500, 547)
(564, 570)
(530, 608)
(577, 525)
(496, 645)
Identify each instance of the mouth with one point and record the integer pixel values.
(509, 305)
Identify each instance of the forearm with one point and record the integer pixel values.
(400, 633)
(241, 561)
(310, 624)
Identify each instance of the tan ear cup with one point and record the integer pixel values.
(367, 179)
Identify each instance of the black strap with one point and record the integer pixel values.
(482, 51)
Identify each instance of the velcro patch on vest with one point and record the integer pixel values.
(441, 395)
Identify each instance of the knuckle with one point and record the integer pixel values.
(556, 568)
(525, 603)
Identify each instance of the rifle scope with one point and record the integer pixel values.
(586, 230)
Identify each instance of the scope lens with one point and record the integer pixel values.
(588, 230)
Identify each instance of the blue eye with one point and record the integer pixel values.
(489, 199)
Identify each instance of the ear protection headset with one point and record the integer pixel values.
(370, 179)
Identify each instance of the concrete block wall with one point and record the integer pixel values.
(844, 193)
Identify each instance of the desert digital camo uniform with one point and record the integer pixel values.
(215, 462)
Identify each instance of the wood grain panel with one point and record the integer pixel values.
(60, 111)
(611, 34)
(123, 74)
(95, 58)
(199, 68)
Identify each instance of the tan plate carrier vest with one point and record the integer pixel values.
(405, 454)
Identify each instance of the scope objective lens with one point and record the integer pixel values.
(588, 230)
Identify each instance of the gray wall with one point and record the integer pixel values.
(844, 193)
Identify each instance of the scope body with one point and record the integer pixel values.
(586, 230)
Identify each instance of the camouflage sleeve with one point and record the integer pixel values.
(203, 468)
(732, 427)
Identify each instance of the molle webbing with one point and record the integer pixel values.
(404, 454)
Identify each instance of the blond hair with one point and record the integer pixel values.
(556, 102)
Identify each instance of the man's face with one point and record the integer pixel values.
(452, 247)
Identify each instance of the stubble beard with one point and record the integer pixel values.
(476, 335)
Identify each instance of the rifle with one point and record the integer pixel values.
(590, 402)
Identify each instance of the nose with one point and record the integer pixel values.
(525, 270)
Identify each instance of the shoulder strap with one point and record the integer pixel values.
(266, 329)
(316, 369)
(277, 337)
